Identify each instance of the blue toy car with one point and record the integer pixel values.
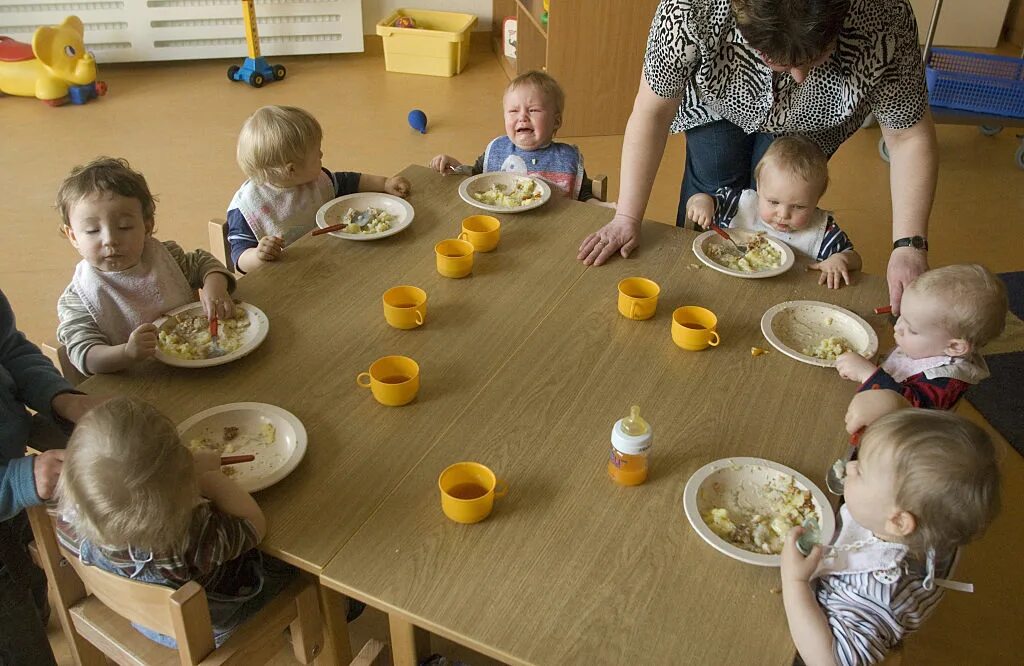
(256, 71)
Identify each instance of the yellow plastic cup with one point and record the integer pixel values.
(638, 298)
(693, 328)
(454, 258)
(405, 307)
(468, 490)
(483, 231)
(393, 380)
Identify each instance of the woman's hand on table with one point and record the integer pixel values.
(621, 235)
(854, 367)
(72, 406)
(905, 264)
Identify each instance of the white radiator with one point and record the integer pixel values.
(137, 30)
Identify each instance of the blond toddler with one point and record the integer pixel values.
(279, 150)
(791, 179)
(126, 278)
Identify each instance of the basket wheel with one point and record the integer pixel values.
(883, 150)
(990, 130)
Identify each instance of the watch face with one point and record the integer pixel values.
(917, 242)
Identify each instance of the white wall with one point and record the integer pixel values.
(375, 10)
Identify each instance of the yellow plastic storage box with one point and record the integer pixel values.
(438, 45)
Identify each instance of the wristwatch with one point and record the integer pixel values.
(916, 242)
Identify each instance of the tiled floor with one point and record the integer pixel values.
(177, 122)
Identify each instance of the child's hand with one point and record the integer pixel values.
(700, 210)
(855, 367)
(206, 460)
(141, 343)
(443, 163)
(869, 406)
(46, 469)
(795, 567)
(270, 248)
(398, 186)
(215, 299)
(834, 271)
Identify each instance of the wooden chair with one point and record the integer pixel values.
(94, 607)
(58, 353)
(599, 186)
(219, 246)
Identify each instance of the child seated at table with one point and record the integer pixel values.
(136, 502)
(279, 150)
(791, 179)
(533, 104)
(127, 278)
(947, 315)
(925, 484)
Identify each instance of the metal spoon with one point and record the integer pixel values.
(215, 348)
(742, 249)
(363, 218)
(833, 480)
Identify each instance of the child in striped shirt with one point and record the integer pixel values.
(791, 179)
(136, 502)
(925, 483)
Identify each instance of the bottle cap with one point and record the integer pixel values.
(632, 435)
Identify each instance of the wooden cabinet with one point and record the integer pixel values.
(594, 48)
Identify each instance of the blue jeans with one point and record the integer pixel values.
(719, 154)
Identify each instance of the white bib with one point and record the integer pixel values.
(857, 550)
(806, 241)
(288, 212)
(121, 301)
(971, 369)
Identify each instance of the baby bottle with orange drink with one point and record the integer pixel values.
(631, 440)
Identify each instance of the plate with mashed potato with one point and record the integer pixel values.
(766, 257)
(502, 192)
(817, 333)
(367, 215)
(273, 435)
(744, 507)
(183, 336)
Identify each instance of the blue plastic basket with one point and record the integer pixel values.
(976, 82)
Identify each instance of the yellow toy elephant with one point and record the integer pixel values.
(55, 67)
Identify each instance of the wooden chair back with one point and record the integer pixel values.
(219, 246)
(599, 186)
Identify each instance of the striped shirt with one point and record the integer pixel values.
(727, 207)
(78, 330)
(209, 553)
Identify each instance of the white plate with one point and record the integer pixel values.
(253, 337)
(273, 461)
(331, 212)
(795, 325)
(738, 484)
(709, 238)
(483, 182)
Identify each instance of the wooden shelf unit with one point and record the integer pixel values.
(594, 48)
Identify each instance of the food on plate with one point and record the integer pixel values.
(526, 191)
(187, 336)
(763, 528)
(379, 220)
(761, 255)
(757, 351)
(828, 349)
(235, 438)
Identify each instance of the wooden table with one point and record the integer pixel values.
(327, 325)
(572, 569)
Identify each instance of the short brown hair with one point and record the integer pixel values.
(543, 82)
(797, 154)
(127, 479)
(790, 32)
(272, 138)
(946, 475)
(112, 175)
(973, 298)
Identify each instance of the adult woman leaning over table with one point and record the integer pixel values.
(731, 74)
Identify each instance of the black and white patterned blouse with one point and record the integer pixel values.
(695, 50)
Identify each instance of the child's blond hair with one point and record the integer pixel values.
(946, 475)
(973, 300)
(798, 155)
(543, 82)
(272, 138)
(127, 479)
(110, 175)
